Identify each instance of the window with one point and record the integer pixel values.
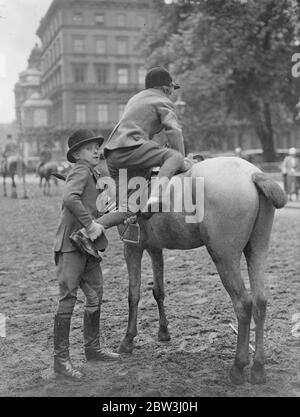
(78, 44)
(53, 54)
(79, 73)
(56, 19)
(50, 31)
(121, 20)
(99, 19)
(58, 77)
(122, 46)
(77, 17)
(58, 47)
(123, 76)
(101, 46)
(141, 75)
(101, 74)
(80, 113)
(121, 108)
(141, 21)
(102, 113)
(40, 117)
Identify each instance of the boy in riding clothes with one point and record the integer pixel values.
(130, 144)
(75, 268)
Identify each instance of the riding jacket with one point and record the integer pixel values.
(146, 114)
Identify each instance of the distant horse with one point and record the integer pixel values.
(11, 166)
(45, 172)
(239, 202)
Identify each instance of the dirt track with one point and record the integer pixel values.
(197, 359)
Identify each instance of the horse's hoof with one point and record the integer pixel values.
(163, 335)
(125, 347)
(257, 375)
(237, 375)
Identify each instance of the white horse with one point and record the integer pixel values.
(239, 202)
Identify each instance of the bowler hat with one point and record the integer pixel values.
(292, 151)
(159, 76)
(81, 137)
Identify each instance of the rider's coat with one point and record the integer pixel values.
(146, 114)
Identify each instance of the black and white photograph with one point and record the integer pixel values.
(149, 201)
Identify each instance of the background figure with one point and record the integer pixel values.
(290, 166)
(12, 163)
(10, 147)
(238, 152)
(45, 155)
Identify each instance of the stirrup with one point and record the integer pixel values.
(133, 229)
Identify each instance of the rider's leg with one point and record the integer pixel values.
(138, 161)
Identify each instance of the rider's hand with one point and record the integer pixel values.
(188, 163)
(94, 230)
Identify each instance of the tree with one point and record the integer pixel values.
(234, 59)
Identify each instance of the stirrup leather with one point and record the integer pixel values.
(131, 229)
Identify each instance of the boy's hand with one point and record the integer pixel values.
(94, 230)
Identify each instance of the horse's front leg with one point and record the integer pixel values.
(4, 186)
(158, 291)
(13, 187)
(133, 256)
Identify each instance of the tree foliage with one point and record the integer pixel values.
(233, 58)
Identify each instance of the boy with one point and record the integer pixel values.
(75, 268)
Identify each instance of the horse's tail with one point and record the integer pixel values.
(271, 190)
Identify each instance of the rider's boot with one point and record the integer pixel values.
(91, 334)
(62, 363)
(156, 203)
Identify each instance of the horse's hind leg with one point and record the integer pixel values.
(256, 253)
(24, 186)
(47, 190)
(158, 291)
(133, 256)
(228, 267)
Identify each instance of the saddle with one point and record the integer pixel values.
(130, 232)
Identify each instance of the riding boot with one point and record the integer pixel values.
(62, 363)
(91, 334)
(156, 203)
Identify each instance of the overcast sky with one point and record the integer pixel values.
(18, 23)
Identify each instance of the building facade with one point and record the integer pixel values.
(90, 62)
(32, 110)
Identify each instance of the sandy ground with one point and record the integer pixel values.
(195, 362)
